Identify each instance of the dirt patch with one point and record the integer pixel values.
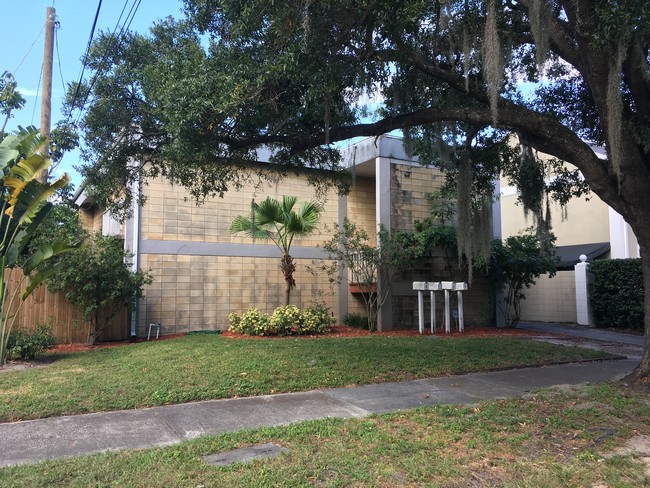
(638, 447)
(25, 364)
(107, 345)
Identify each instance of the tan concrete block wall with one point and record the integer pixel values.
(361, 206)
(551, 299)
(91, 219)
(192, 293)
(409, 184)
(170, 214)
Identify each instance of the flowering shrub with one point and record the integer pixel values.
(235, 322)
(285, 320)
(254, 322)
(315, 319)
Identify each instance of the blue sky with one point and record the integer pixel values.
(22, 38)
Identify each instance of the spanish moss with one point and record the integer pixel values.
(467, 53)
(538, 25)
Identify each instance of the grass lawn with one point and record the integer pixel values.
(549, 439)
(208, 367)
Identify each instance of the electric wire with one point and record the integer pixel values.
(85, 58)
(38, 91)
(115, 44)
(58, 55)
(29, 50)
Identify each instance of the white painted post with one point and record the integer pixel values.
(459, 287)
(433, 312)
(447, 286)
(583, 308)
(421, 311)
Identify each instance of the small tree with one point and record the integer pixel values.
(515, 265)
(277, 221)
(24, 207)
(96, 279)
(373, 268)
(10, 99)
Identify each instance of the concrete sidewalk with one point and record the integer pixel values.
(584, 332)
(53, 438)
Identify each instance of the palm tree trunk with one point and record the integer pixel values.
(288, 267)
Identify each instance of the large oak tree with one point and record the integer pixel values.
(197, 97)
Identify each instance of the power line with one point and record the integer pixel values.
(116, 42)
(38, 90)
(29, 50)
(58, 55)
(85, 58)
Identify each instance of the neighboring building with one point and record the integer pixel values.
(588, 226)
(202, 272)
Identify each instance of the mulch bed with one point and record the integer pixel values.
(335, 331)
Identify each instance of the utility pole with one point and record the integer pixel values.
(46, 100)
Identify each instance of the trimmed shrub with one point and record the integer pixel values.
(27, 343)
(356, 320)
(315, 319)
(234, 321)
(616, 293)
(254, 322)
(285, 320)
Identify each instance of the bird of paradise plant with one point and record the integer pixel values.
(23, 207)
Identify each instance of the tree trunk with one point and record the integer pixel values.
(643, 370)
(92, 330)
(288, 267)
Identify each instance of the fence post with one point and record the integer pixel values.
(583, 307)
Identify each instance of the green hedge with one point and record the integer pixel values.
(616, 293)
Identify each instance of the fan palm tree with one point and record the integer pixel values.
(279, 222)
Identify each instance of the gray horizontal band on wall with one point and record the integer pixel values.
(188, 248)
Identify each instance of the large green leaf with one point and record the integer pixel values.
(24, 142)
(19, 243)
(30, 199)
(44, 253)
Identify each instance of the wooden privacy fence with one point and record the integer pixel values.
(68, 326)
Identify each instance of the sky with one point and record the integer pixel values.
(22, 40)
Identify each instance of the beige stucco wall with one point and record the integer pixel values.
(585, 221)
(551, 299)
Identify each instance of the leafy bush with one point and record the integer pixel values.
(315, 319)
(27, 343)
(254, 322)
(285, 320)
(616, 293)
(234, 320)
(356, 320)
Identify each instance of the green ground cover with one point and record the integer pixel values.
(204, 367)
(548, 439)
